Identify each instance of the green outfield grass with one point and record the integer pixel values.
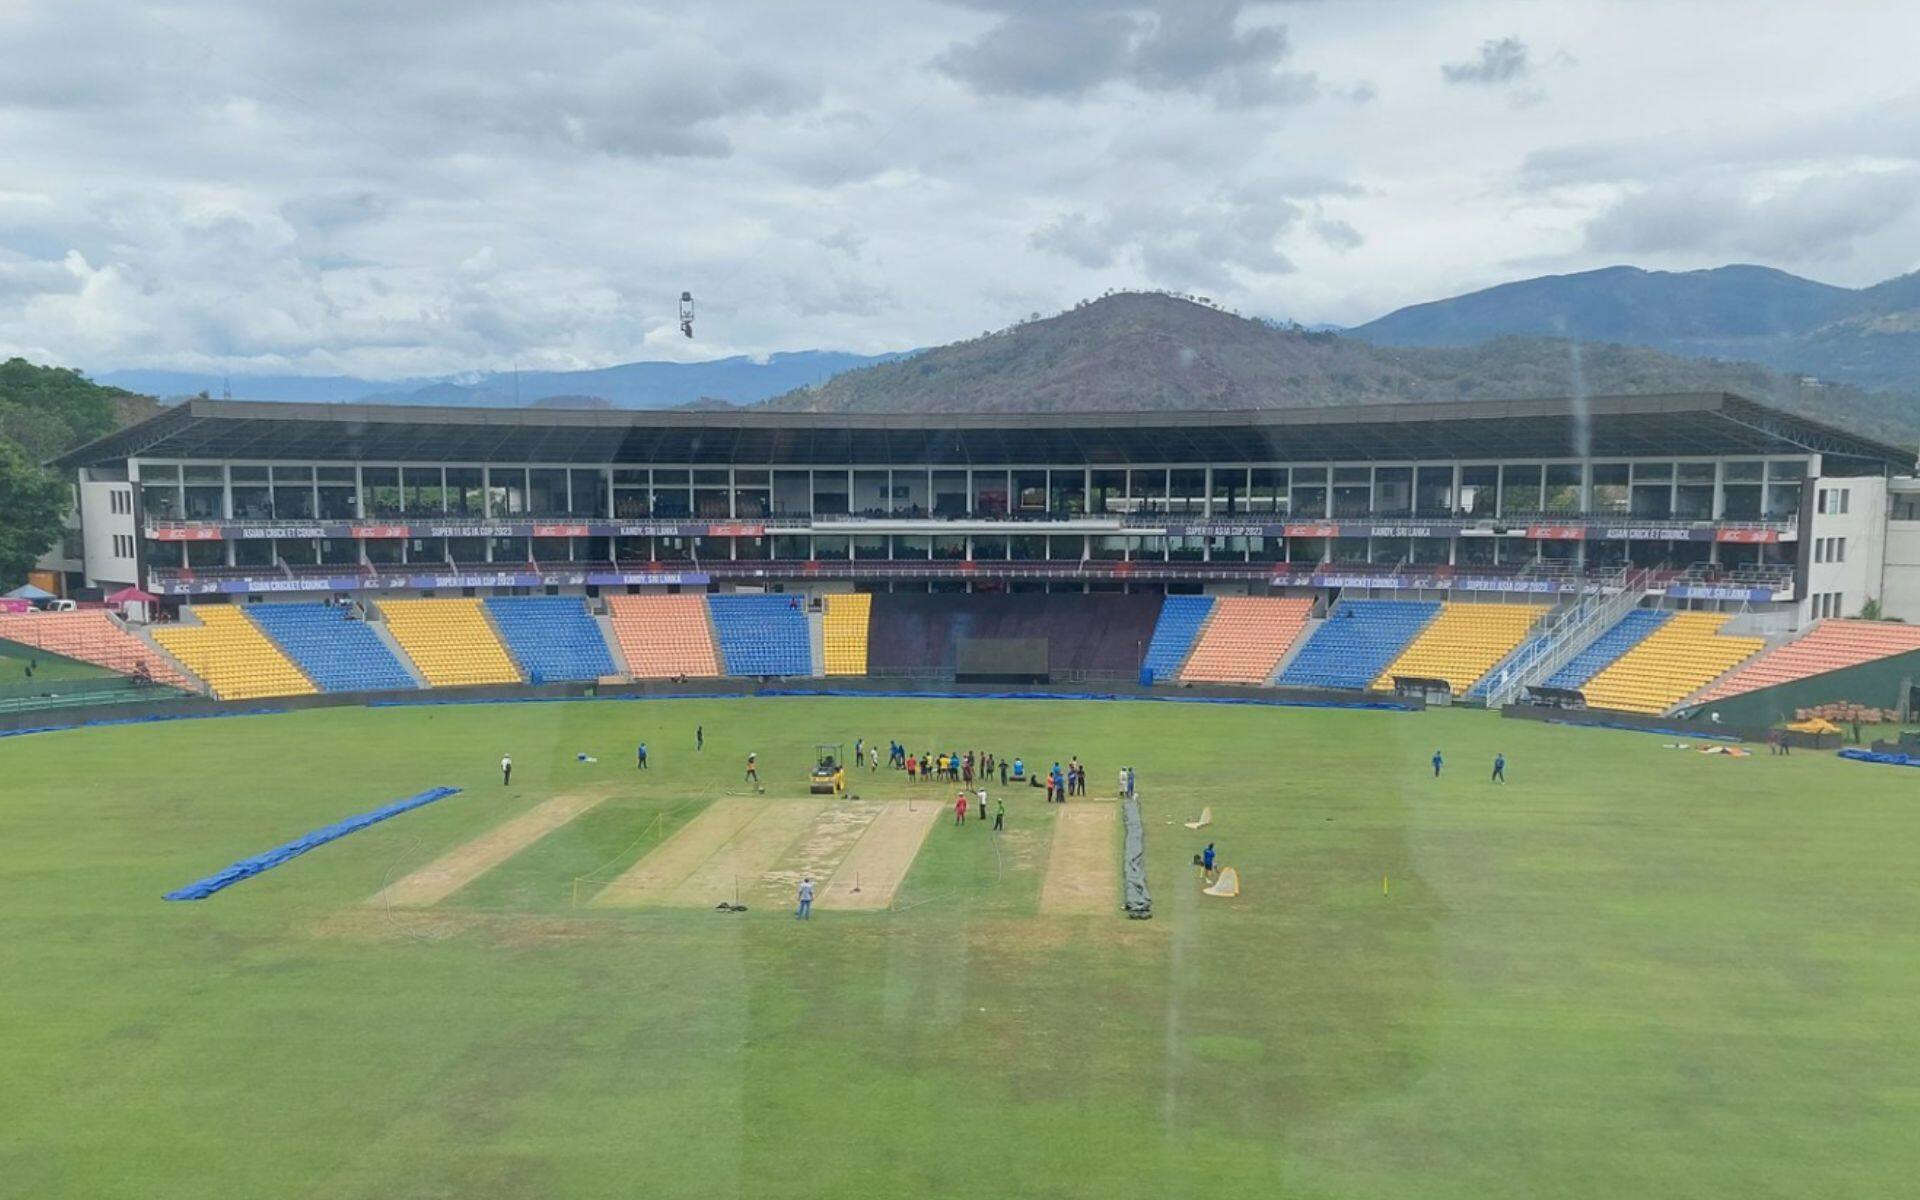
(1632, 971)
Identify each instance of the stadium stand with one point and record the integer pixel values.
(665, 637)
(1357, 641)
(1174, 634)
(92, 636)
(761, 634)
(1101, 634)
(1463, 643)
(450, 641)
(1674, 661)
(1246, 638)
(1828, 646)
(237, 660)
(1629, 631)
(551, 637)
(337, 654)
(847, 615)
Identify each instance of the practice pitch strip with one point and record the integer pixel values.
(754, 851)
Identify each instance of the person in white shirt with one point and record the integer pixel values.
(506, 769)
(805, 912)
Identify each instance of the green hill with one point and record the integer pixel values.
(1151, 351)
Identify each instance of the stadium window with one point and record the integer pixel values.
(1352, 491)
(1393, 490)
(1840, 548)
(1433, 492)
(950, 492)
(1610, 488)
(1229, 491)
(990, 493)
(466, 492)
(1267, 490)
(1308, 497)
(1147, 491)
(1563, 488)
(380, 491)
(1740, 501)
(1520, 488)
(1187, 491)
(506, 491)
(872, 494)
(989, 547)
(1844, 494)
(587, 494)
(1479, 490)
(1067, 493)
(1820, 501)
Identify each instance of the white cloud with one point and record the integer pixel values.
(339, 185)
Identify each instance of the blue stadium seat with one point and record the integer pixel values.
(551, 637)
(761, 634)
(1356, 642)
(1626, 633)
(1173, 634)
(337, 654)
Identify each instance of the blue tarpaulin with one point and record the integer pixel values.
(1892, 760)
(247, 868)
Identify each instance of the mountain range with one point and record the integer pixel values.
(1849, 354)
(1868, 336)
(740, 379)
(1155, 351)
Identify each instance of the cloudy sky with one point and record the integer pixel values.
(387, 189)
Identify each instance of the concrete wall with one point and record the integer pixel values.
(100, 524)
(1855, 577)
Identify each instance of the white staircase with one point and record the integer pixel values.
(604, 620)
(1286, 660)
(377, 621)
(817, 641)
(1563, 635)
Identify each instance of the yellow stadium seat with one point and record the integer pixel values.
(1670, 664)
(1463, 643)
(451, 641)
(844, 631)
(230, 653)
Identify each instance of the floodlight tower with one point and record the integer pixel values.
(686, 313)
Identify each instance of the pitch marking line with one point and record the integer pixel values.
(1083, 869)
(658, 873)
(881, 858)
(738, 865)
(465, 863)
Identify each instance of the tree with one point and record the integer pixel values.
(35, 503)
(1871, 611)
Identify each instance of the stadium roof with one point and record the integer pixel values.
(1710, 423)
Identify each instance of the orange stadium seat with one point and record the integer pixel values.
(1828, 646)
(1245, 638)
(663, 637)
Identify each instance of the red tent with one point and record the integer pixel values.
(132, 595)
